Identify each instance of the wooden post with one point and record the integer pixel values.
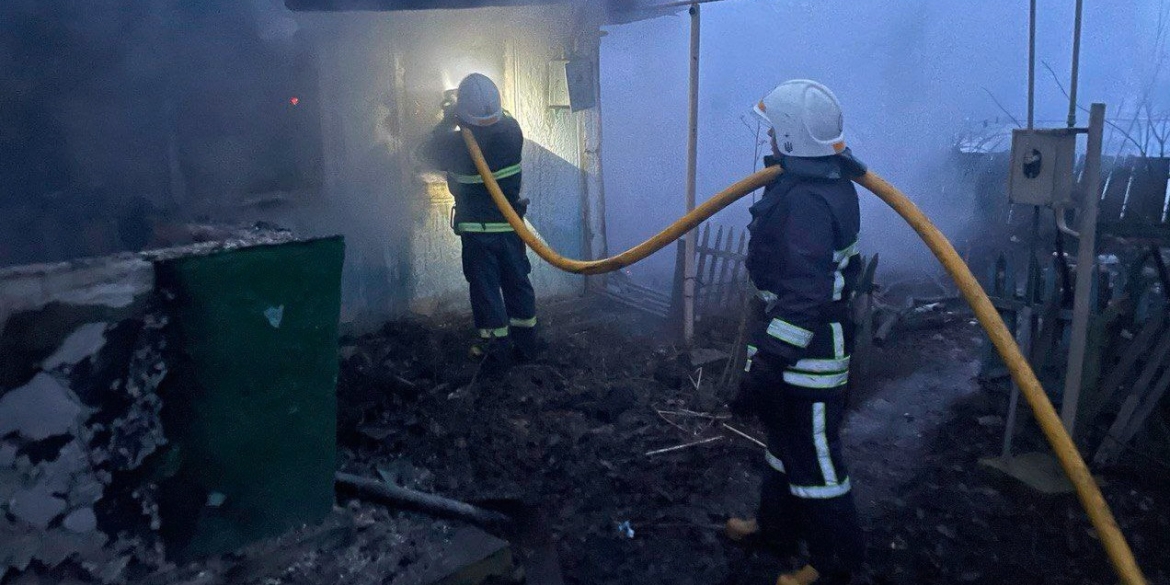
(1086, 269)
(692, 160)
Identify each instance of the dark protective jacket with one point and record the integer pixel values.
(802, 252)
(501, 143)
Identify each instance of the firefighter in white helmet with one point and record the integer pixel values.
(495, 262)
(802, 258)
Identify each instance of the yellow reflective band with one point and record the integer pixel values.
(816, 380)
(525, 323)
(842, 259)
(503, 173)
(821, 492)
(836, 366)
(774, 462)
(751, 353)
(482, 228)
(490, 333)
(822, 443)
(838, 340)
(850, 250)
(789, 333)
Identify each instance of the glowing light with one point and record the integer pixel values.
(294, 100)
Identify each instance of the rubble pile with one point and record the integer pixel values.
(83, 351)
(79, 416)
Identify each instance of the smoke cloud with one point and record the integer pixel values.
(912, 76)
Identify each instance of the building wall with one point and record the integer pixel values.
(382, 78)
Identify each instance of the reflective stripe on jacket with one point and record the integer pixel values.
(502, 144)
(802, 256)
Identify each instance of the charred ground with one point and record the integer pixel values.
(572, 430)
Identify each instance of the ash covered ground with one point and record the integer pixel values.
(574, 429)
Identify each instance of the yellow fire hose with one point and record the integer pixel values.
(1070, 459)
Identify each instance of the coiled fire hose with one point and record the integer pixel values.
(1070, 459)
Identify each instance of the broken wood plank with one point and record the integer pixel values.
(1122, 371)
(683, 446)
(1111, 446)
(1129, 426)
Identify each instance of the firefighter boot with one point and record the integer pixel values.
(805, 576)
(494, 356)
(525, 344)
(741, 529)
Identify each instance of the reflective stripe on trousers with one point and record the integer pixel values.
(806, 459)
(493, 333)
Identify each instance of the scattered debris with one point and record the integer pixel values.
(745, 435)
(683, 446)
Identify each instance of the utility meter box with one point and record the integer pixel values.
(1042, 166)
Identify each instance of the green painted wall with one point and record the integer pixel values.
(250, 402)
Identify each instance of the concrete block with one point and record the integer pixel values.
(80, 521)
(85, 342)
(61, 473)
(7, 455)
(36, 505)
(38, 410)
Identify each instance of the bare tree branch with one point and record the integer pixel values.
(1002, 109)
(1060, 86)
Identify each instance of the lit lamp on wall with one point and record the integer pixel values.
(437, 194)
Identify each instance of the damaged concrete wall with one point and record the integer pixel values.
(88, 355)
(81, 348)
(382, 80)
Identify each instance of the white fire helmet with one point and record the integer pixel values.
(805, 118)
(478, 101)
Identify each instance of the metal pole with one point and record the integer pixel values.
(1076, 63)
(1032, 65)
(692, 161)
(1090, 189)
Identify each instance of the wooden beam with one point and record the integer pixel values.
(1086, 269)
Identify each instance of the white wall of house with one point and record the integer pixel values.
(381, 81)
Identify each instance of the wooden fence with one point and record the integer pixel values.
(721, 284)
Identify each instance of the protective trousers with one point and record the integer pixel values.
(503, 303)
(806, 492)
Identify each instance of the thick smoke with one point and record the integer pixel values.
(118, 108)
(912, 76)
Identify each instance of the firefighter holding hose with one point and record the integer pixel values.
(802, 258)
(495, 263)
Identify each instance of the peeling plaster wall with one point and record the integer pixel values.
(381, 84)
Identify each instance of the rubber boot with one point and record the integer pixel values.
(494, 355)
(525, 345)
(741, 529)
(805, 576)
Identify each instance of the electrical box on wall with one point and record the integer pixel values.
(558, 84)
(1042, 167)
(581, 89)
